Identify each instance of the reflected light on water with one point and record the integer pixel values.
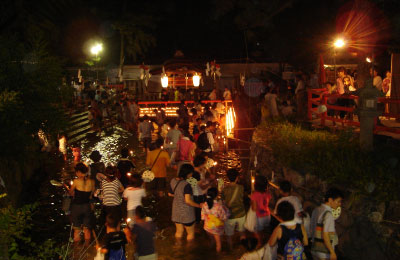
(109, 146)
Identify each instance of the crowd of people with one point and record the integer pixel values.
(199, 201)
(292, 102)
(186, 146)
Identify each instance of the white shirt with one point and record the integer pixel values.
(254, 255)
(316, 217)
(300, 86)
(378, 82)
(212, 96)
(227, 95)
(211, 141)
(296, 205)
(134, 196)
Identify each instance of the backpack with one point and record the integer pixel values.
(117, 254)
(294, 248)
(202, 142)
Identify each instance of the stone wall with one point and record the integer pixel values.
(364, 227)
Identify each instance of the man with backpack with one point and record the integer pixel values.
(323, 233)
(113, 244)
(206, 141)
(290, 236)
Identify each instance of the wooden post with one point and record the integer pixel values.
(394, 108)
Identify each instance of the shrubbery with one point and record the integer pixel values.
(17, 238)
(336, 158)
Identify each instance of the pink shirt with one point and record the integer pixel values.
(262, 201)
(185, 146)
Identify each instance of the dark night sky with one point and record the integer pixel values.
(295, 33)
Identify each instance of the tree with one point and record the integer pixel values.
(134, 36)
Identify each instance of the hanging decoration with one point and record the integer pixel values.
(79, 76)
(145, 74)
(213, 69)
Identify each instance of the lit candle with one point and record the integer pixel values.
(72, 182)
(128, 220)
(128, 174)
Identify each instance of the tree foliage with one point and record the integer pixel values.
(15, 240)
(135, 34)
(30, 92)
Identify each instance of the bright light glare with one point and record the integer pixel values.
(97, 48)
(339, 43)
(196, 80)
(368, 59)
(164, 81)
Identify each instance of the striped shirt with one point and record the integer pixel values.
(111, 195)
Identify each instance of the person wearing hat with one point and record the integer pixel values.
(97, 168)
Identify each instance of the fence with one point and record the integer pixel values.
(318, 97)
(170, 107)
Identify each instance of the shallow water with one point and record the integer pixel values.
(109, 145)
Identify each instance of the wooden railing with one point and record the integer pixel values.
(318, 97)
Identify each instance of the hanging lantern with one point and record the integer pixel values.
(196, 80)
(164, 81)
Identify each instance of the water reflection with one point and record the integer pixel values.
(108, 145)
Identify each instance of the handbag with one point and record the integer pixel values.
(318, 245)
(251, 220)
(66, 203)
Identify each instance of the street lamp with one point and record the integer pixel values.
(337, 44)
(95, 50)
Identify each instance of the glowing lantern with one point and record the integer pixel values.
(164, 81)
(230, 121)
(196, 80)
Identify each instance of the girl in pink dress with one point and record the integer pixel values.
(214, 213)
(259, 203)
